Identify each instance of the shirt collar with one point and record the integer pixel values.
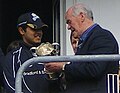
(85, 34)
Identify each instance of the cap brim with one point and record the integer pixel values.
(35, 27)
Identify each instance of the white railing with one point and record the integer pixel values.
(113, 83)
(76, 58)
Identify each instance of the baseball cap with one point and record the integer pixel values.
(32, 20)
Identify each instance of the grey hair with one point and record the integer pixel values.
(78, 8)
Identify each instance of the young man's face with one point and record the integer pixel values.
(74, 40)
(31, 36)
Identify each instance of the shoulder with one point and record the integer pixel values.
(102, 36)
(13, 52)
(99, 31)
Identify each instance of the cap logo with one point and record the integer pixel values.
(35, 17)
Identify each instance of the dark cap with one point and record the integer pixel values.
(32, 20)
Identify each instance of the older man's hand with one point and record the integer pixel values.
(54, 66)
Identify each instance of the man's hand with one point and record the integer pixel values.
(54, 66)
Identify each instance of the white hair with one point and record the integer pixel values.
(79, 7)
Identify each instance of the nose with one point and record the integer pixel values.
(39, 34)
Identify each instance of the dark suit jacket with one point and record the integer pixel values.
(91, 77)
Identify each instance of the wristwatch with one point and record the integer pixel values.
(63, 68)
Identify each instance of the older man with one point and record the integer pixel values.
(87, 77)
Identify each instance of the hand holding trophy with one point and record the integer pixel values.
(47, 49)
(52, 72)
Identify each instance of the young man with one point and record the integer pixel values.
(87, 77)
(30, 27)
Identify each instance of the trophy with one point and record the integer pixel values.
(47, 49)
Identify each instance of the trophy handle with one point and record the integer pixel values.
(56, 48)
(33, 50)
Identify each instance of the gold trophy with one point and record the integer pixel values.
(47, 49)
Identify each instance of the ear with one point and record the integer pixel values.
(82, 16)
(21, 31)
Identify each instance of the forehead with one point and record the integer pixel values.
(68, 13)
